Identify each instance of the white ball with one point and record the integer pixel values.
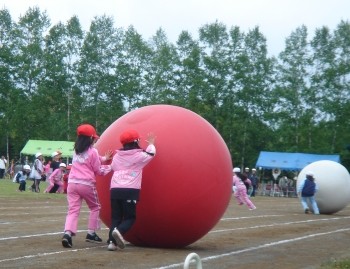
(333, 181)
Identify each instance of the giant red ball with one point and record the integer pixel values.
(186, 188)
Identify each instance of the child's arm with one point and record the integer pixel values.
(151, 149)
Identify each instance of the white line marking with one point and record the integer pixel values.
(46, 254)
(272, 244)
(252, 217)
(38, 235)
(204, 259)
(277, 224)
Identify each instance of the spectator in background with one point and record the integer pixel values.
(291, 187)
(240, 192)
(247, 183)
(12, 168)
(22, 176)
(255, 181)
(37, 171)
(47, 169)
(307, 190)
(56, 180)
(56, 160)
(3, 163)
(283, 185)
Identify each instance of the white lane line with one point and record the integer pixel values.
(39, 213)
(254, 217)
(211, 232)
(204, 259)
(43, 234)
(31, 207)
(46, 254)
(267, 245)
(278, 224)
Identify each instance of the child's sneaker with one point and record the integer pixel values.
(111, 246)
(67, 241)
(118, 238)
(93, 238)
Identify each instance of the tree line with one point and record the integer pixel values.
(54, 77)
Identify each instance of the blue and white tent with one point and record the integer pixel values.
(290, 161)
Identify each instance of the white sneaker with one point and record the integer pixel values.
(252, 208)
(118, 238)
(112, 246)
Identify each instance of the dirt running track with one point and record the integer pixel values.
(276, 235)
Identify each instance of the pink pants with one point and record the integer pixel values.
(52, 183)
(242, 197)
(76, 193)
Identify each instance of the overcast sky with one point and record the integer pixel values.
(276, 18)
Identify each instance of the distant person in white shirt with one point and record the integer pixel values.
(3, 163)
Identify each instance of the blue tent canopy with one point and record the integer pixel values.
(290, 161)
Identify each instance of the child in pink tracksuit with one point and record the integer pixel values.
(127, 165)
(56, 180)
(82, 185)
(240, 190)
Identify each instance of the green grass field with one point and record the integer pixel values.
(342, 264)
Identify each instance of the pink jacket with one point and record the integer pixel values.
(86, 166)
(127, 166)
(55, 178)
(238, 183)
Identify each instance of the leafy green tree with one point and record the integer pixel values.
(247, 102)
(74, 37)
(53, 78)
(160, 86)
(28, 71)
(29, 40)
(330, 78)
(294, 98)
(97, 72)
(134, 57)
(323, 80)
(57, 90)
(254, 85)
(214, 41)
(190, 74)
(338, 94)
(8, 95)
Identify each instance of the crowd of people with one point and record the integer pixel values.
(244, 186)
(54, 172)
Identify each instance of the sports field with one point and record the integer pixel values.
(276, 235)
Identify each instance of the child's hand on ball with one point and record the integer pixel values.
(151, 138)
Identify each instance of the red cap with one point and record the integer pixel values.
(87, 130)
(129, 136)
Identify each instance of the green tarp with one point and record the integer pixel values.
(48, 147)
